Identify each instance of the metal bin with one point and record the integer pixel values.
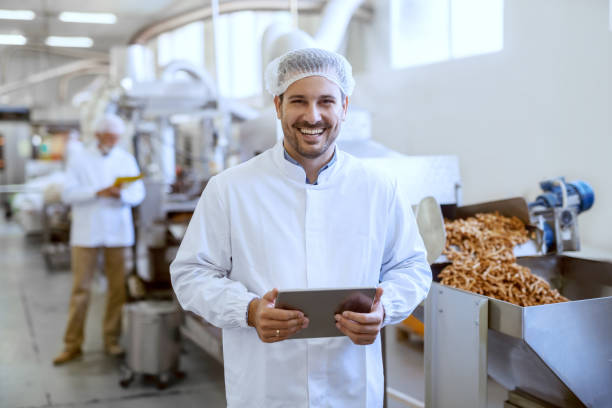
(152, 341)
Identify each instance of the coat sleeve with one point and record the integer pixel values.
(133, 193)
(74, 191)
(405, 273)
(203, 263)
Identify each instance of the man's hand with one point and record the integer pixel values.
(272, 324)
(111, 191)
(363, 328)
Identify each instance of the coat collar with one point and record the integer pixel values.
(297, 173)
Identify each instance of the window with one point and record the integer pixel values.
(238, 47)
(427, 31)
(184, 43)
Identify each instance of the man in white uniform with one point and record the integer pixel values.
(301, 215)
(101, 221)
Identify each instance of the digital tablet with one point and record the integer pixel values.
(321, 305)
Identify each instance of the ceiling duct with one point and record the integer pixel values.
(335, 19)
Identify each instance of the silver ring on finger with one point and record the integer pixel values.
(277, 332)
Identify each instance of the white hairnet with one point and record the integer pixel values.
(110, 123)
(295, 65)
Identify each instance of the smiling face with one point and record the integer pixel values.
(311, 112)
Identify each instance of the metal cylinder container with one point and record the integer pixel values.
(152, 334)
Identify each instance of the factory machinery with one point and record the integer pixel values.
(553, 355)
(555, 212)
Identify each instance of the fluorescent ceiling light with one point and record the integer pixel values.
(17, 15)
(12, 39)
(94, 18)
(82, 42)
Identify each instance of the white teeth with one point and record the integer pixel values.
(311, 131)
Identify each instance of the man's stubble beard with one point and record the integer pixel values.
(294, 140)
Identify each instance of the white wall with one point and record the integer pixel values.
(538, 109)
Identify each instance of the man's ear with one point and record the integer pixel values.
(277, 104)
(344, 107)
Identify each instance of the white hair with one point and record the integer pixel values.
(110, 123)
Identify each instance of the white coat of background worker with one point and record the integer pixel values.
(101, 221)
(301, 215)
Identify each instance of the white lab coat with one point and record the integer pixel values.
(101, 221)
(258, 226)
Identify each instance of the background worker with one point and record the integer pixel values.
(101, 221)
(301, 215)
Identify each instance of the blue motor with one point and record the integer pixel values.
(556, 211)
(579, 194)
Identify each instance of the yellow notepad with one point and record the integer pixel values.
(119, 181)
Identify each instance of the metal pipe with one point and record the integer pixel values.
(215, 21)
(293, 7)
(8, 55)
(151, 31)
(66, 69)
(64, 81)
(182, 66)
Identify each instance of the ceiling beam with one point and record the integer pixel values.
(153, 30)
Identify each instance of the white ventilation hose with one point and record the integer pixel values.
(335, 19)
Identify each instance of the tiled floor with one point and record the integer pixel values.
(33, 311)
(33, 308)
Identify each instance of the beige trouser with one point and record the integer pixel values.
(84, 262)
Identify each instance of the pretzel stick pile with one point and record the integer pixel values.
(481, 251)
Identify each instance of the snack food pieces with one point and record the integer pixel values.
(481, 251)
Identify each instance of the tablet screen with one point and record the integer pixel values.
(321, 305)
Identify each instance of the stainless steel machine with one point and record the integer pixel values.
(555, 355)
(182, 135)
